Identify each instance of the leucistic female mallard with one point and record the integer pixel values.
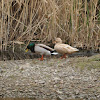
(41, 49)
(63, 49)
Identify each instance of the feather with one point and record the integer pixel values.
(64, 48)
(45, 47)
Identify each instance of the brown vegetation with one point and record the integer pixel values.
(77, 22)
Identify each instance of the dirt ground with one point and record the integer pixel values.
(76, 78)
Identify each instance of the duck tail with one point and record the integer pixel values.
(54, 53)
(76, 49)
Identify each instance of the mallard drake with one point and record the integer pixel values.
(41, 49)
(63, 48)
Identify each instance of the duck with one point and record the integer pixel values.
(63, 49)
(41, 49)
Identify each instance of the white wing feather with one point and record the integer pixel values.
(46, 47)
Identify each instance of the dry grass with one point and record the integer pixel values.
(77, 22)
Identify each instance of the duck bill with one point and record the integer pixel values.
(26, 50)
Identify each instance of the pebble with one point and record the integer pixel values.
(59, 92)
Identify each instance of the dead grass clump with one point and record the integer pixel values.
(77, 22)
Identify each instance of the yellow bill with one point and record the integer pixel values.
(26, 50)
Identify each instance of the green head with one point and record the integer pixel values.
(31, 47)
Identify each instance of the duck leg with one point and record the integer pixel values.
(64, 56)
(41, 59)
